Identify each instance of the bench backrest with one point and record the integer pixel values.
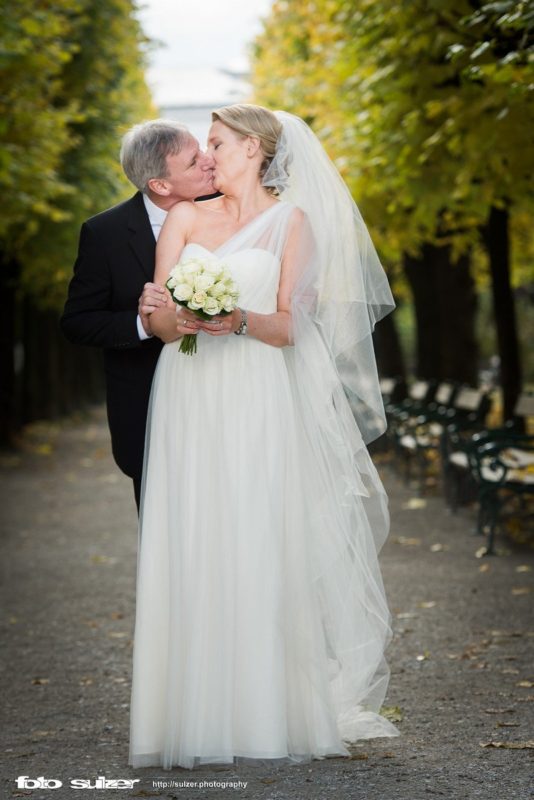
(418, 390)
(387, 385)
(469, 399)
(444, 393)
(525, 405)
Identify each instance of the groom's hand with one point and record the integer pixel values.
(152, 297)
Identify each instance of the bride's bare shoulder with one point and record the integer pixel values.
(182, 213)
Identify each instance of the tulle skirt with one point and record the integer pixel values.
(260, 627)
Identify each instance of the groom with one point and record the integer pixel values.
(109, 300)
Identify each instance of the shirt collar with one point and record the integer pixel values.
(156, 214)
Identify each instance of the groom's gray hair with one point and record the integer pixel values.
(145, 148)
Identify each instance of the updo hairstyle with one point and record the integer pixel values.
(250, 120)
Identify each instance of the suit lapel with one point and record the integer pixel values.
(141, 238)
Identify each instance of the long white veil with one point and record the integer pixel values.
(350, 286)
(340, 293)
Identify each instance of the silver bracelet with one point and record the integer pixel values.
(241, 331)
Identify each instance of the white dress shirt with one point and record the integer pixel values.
(156, 216)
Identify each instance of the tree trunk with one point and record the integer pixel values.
(445, 306)
(496, 235)
(458, 303)
(420, 272)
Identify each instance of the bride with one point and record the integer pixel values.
(261, 618)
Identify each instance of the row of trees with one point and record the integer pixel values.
(71, 78)
(427, 107)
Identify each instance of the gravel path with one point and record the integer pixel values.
(461, 657)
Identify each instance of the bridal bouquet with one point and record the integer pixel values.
(204, 286)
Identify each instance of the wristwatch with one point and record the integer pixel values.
(241, 331)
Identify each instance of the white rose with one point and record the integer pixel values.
(211, 306)
(183, 291)
(203, 282)
(197, 300)
(218, 289)
(191, 267)
(212, 266)
(227, 302)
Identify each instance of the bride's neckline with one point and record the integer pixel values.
(254, 219)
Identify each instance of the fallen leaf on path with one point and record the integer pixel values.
(484, 568)
(499, 710)
(358, 757)
(438, 548)
(481, 552)
(392, 713)
(501, 724)
(98, 559)
(510, 671)
(407, 541)
(521, 590)
(510, 745)
(523, 568)
(40, 681)
(426, 604)
(407, 615)
(423, 656)
(414, 503)
(525, 684)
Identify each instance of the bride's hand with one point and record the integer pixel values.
(223, 324)
(188, 323)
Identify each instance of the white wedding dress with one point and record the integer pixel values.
(260, 630)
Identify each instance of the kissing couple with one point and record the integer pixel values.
(261, 619)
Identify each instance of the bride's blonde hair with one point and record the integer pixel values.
(249, 120)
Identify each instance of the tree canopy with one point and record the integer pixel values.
(72, 79)
(426, 107)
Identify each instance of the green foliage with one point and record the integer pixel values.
(35, 48)
(427, 108)
(73, 85)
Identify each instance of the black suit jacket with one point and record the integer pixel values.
(115, 259)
